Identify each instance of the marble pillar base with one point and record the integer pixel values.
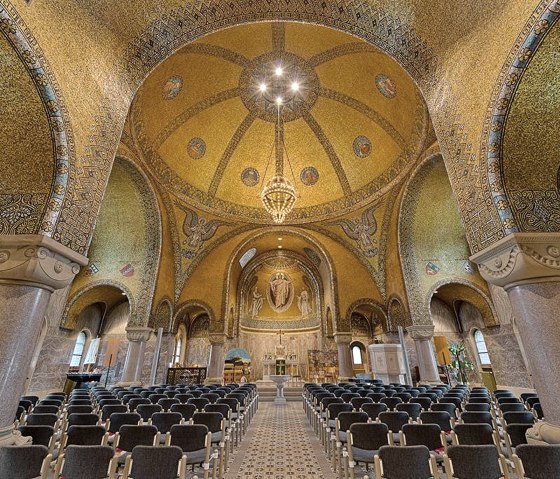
(216, 380)
(129, 384)
(10, 437)
(543, 433)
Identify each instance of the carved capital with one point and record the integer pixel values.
(342, 338)
(138, 333)
(217, 339)
(521, 258)
(421, 332)
(38, 260)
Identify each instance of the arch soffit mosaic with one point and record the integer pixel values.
(163, 317)
(365, 304)
(193, 21)
(110, 293)
(197, 306)
(495, 125)
(462, 290)
(27, 48)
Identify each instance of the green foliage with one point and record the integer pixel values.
(460, 363)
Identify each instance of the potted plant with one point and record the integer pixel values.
(459, 362)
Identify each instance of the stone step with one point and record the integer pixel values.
(268, 393)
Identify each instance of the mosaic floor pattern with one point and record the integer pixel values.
(280, 444)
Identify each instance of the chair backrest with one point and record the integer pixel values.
(477, 417)
(395, 420)
(199, 402)
(474, 434)
(508, 400)
(41, 419)
(156, 397)
(42, 409)
(223, 409)
(391, 402)
(110, 401)
(530, 401)
(149, 462)
(445, 406)
(146, 410)
(346, 397)
(441, 418)
(516, 433)
(80, 402)
(41, 435)
(453, 400)
(346, 419)
(538, 410)
(166, 403)
(358, 402)
(186, 410)
(480, 399)
(404, 396)
(86, 462)
(517, 417)
(369, 436)
(374, 409)
(330, 400)
(477, 407)
(83, 419)
(212, 397)
(109, 409)
(376, 397)
(428, 435)
(425, 402)
(79, 409)
(23, 462)
(131, 436)
(539, 461)
(165, 420)
(135, 402)
(514, 406)
(335, 409)
(405, 462)
(212, 420)
(183, 397)
(189, 437)
(469, 461)
(85, 435)
(119, 419)
(413, 409)
(33, 399)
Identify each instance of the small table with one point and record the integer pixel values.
(280, 381)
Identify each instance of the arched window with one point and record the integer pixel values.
(178, 350)
(357, 355)
(247, 256)
(78, 350)
(481, 348)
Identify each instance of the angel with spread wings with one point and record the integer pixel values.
(197, 230)
(361, 229)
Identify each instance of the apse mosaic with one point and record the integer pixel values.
(172, 87)
(313, 256)
(386, 86)
(309, 176)
(196, 148)
(361, 146)
(250, 177)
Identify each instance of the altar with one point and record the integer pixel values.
(280, 363)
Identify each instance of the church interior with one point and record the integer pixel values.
(350, 214)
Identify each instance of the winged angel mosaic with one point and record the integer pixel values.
(197, 231)
(361, 229)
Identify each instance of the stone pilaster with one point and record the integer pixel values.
(527, 266)
(31, 268)
(422, 334)
(132, 372)
(215, 372)
(345, 370)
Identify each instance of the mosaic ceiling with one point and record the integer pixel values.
(206, 120)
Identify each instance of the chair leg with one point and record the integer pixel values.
(345, 462)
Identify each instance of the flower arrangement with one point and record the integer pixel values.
(459, 363)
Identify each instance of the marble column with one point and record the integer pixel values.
(422, 334)
(215, 373)
(132, 371)
(31, 268)
(527, 266)
(345, 370)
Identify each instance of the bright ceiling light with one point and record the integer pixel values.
(279, 71)
(295, 86)
(279, 238)
(262, 87)
(279, 100)
(279, 246)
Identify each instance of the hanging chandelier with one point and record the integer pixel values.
(279, 194)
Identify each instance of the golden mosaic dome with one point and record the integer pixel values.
(352, 121)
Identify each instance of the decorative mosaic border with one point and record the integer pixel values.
(29, 52)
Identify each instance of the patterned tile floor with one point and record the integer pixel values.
(280, 444)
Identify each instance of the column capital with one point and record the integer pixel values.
(521, 258)
(342, 338)
(421, 332)
(38, 260)
(217, 339)
(138, 333)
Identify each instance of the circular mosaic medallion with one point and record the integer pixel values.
(361, 146)
(250, 176)
(309, 176)
(196, 148)
(172, 87)
(276, 75)
(386, 86)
